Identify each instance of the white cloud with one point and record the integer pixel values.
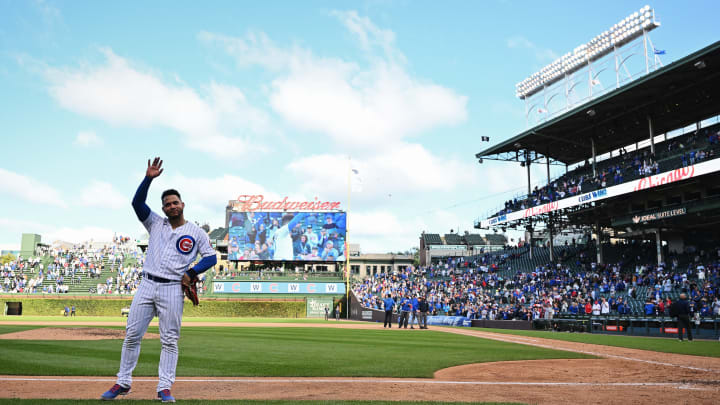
(118, 93)
(356, 106)
(206, 197)
(49, 13)
(78, 235)
(9, 246)
(382, 231)
(28, 189)
(87, 139)
(400, 168)
(370, 35)
(104, 195)
(51, 233)
(544, 55)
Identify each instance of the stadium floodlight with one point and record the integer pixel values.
(628, 29)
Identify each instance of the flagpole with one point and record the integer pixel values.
(347, 244)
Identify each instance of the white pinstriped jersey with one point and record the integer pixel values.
(171, 251)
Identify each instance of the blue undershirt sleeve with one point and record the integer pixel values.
(204, 264)
(141, 209)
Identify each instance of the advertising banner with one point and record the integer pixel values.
(644, 183)
(316, 306)
(287, 236)
(448, 320)
(280, 287)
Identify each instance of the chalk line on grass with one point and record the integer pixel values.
(532, 342)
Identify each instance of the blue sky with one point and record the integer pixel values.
(273, 98)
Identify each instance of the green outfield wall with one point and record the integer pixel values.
(291, 308)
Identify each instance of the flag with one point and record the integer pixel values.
(355, 181)
(658, 51)
(485, 139)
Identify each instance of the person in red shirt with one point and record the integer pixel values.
(588, 308)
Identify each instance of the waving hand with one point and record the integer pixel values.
(154, 169)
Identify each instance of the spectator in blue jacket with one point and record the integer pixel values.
(405, 308)
(649, 308)
(414, 312)
(389, 304)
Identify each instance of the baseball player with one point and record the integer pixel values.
(174, 244)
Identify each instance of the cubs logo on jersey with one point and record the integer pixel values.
(185, 244)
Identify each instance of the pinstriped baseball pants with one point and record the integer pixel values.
(166, 301)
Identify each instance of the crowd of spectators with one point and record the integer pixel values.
(476, 288)
(54, 269)
(678, 152)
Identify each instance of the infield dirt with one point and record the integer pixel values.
(621, 375)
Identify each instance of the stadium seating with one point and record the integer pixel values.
(508, 284)
(674, 153)
(432, 239)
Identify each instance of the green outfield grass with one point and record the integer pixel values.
(709, 348)
(233, 402)
(186, 320)
(269, 352)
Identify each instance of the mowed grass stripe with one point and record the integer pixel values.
(708, 348)
(275, 352)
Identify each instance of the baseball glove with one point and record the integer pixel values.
(190, 291)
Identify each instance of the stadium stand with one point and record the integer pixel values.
(453, 239)
(691, 148)
(487, 286)
(432, 239)
(85, 269)
(474, 239)
(639, 248)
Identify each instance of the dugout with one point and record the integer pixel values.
(13, 308)
(660, 326)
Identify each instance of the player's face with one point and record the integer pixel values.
(172, 206)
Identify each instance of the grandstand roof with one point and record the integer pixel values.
(675, 96)
(453, 239)
(474, 239)
(432, 239)
(218, 233)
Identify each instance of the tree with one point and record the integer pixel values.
(5, 259)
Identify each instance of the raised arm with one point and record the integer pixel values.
(153, 170)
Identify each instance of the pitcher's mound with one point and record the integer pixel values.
(71, 334)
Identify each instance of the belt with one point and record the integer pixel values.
(159, 279)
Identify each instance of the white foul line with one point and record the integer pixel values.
(515, 339)
(683, 385)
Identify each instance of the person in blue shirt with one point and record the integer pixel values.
(389, 304)
(414, 312)
(649, 308)
(405, 308)
(622, 308)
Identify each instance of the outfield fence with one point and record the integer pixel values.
(702, 328)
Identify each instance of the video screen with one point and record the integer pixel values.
(289, 236)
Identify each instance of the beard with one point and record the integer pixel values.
(177, 214)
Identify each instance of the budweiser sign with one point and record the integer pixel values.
(665, 178)
(257, 202)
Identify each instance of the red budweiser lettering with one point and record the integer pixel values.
(248, 203)
(670, 177)
(541, 209)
